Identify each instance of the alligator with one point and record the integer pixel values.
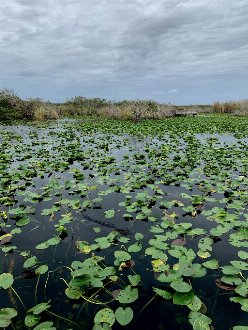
(122, 231)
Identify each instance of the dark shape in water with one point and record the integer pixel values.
(224, 286)
(122, 231)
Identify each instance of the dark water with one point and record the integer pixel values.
(31, 146)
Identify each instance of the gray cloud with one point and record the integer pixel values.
(125, 49)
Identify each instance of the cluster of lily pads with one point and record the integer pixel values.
(110, 223)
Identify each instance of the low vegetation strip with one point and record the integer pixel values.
(13, 107)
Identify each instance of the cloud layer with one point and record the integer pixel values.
(125, 49)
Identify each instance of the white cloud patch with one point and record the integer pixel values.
(123, 48)
(173, 91)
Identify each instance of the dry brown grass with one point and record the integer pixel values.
(238, 108)
(45, 113)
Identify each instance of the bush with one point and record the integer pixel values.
(45, 113)
(152, 109)
(218, 107)
(10, 105)
(226, 107)
(84, 106)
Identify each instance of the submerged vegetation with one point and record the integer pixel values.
(13, 107)
(110, 224)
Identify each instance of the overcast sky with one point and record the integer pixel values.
(183, 52)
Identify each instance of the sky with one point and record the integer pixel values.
(182, 52)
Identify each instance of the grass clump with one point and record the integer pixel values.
(45, 113)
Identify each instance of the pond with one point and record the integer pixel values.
(110, 224)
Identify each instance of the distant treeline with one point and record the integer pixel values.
(14, 107)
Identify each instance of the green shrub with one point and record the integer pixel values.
(10, 105)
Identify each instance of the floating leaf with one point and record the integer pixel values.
(23, 222)
(128, 295)
(45, 326)
(139, 236)
(74, 293)
(230, 270)
(242, 301)
(97, 229)
(243, 255)
(242, 289)
(30, 262)
(124, 316)
(181, 286)
(163, 293)
(180, 298)
(211, 264)
(109, 214)
(83, 247)
(240, 264)
(134, 279)
(136, 247)
(31, 320)
(39, 308)
(231, 279)
(122, 255)
(105, 315)
(6, 314)
(195, 304)
(6, 280)
(199, 321)
(42, 269)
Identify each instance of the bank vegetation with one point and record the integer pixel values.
(14, 107)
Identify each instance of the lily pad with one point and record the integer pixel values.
(6, 280)
(181, 286)
(128, 295)
(124, 316)
(105, 315)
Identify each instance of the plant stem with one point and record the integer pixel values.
(19, 298)
(142, 309)
(63, 318)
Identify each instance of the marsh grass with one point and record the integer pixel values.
(14, 107)
(45, 113)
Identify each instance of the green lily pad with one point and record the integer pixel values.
(180, 298)
(242, 301)
(31, 319)
(128, 295)
(45, 326)
(136, 247)
(30, 262)
(6, 280)
(211, 264)
(36, 310)
(163, 293)
(181, 286)
(124, 316)
(73, 292)
(109, 214)
(195, 304)
(6, 314)
(199, 321)
(105, 315)
(240, 264)
(242, 289)
(122, 255)
(243, 255)
(134, 279)
(42, 269)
